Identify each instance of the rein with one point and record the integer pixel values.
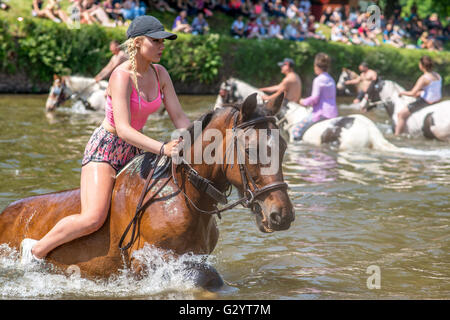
(140, 206)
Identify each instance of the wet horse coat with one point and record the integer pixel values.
(170, 222)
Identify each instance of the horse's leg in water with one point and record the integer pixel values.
(97, 181)
(203, 275)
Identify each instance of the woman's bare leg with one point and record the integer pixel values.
(97, 181)
(401, 120)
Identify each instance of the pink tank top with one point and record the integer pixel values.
(140, 109)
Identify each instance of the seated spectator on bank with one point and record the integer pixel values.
(326, 16)
(275, 28)
(113, 10)
(235, 7)
(4, 6)
(252, 29)
(182, 5)
(291, 32)
(263, 25)
(433, 24)
(132, 9)
(258, 8)
(199, 25)
(181, 24)
(238, 27)
(55, 7)
(279, 10)
(292, 9)
(38, 10)
(305, 6)
(162, 6)
(312, 32)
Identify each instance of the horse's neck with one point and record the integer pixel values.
(245, 89)
(390, 92)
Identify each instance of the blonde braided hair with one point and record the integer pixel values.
(130, 48)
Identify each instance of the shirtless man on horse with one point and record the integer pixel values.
(291, 85)
(366, 79)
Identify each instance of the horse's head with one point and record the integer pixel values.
(59, 93)
(374, 96)
(259, 150)
(228, 92)
(345, 75)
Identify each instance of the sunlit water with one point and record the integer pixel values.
(353, 210)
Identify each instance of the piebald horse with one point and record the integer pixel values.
(177, 213)
(347, 133)
(431, 122)
(75, 88)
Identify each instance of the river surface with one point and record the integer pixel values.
(361, 216)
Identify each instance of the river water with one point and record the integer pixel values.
(361, 216)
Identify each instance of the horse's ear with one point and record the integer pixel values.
(274, 104)
(248, 107)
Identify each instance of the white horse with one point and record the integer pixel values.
(76, 88)
(348, 133)
(432, 122)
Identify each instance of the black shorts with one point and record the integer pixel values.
(420, 103)
(360, 95)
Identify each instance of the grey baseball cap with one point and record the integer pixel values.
(287, 60)
(148, 26)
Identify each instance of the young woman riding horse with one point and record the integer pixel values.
(136, 89)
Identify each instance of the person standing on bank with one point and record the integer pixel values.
(136, 89)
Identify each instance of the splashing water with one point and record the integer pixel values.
(167, 278)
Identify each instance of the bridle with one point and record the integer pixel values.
(251, 192)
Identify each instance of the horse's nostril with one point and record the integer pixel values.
(275, 217)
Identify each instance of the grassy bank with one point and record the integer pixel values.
(43, 48)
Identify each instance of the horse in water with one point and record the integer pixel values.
(431, 122)
(176, 212)
(75, 88)
(347, 133)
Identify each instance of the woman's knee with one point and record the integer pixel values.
(94, 221)
(404, 113)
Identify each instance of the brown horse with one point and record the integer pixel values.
(178, 219)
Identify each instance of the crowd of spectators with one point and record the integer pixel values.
(108, 13)
(282, 19)
(398, 31)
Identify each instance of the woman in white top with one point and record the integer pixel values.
(427, 90)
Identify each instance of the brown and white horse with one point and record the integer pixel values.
(75, 88)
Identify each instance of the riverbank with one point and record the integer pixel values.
(32, 50)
